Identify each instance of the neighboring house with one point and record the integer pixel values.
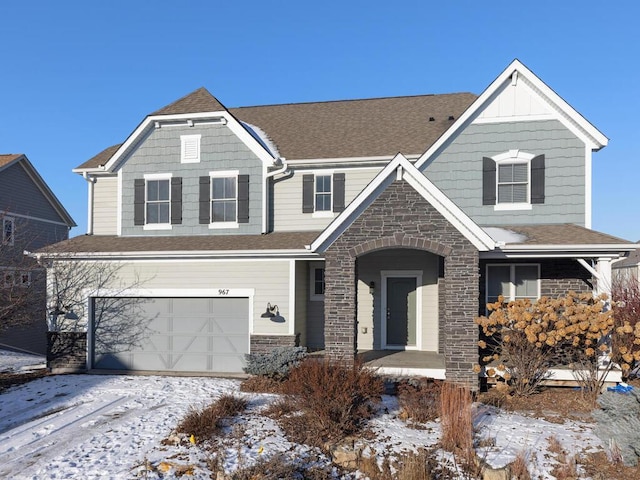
(370, 226)
(31, 217)
(627, 268)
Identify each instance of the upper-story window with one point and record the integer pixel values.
(8, 230)
(513, 180)
(323, 193)
(158, 201)
(190, 148)
(513, 282)
(224, 199)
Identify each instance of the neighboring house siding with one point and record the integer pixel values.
(220, 150)
(369, 307)
(287, 198)
(105, 206)
(457, 171)
(20, 195)
(268, 278)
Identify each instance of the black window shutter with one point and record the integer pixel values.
(307, 193)
(243, 198)
(488, 181)
(138, 201)
(338, 192)
(205, 200)
(176, 200)
(537, 179)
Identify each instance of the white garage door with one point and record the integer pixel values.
(170, 334)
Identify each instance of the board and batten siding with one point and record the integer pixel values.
(220, 150)
(105, 205)
(269, 279)
(370, 269)
(457, 171)
(286, 208)
(20, 195)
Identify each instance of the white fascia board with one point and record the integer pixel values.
(561, 251)
(599, 140)
(231, 122)
(481, 240)
(164, 255)
(347, 160)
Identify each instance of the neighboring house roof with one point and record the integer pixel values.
(377, 127)
(112, 244)
(7, 160)
(633, 260)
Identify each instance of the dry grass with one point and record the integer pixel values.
(261, 384)
(334, 400)
(419, 400)
(519, 467)
(282, 407)
(420, 465)
(281, 467)
(456, 418)
(206, 422)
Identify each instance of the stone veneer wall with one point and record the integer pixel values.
(67, 351)
(264, 343)
(401, 218)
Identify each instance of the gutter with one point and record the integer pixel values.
(284, 170)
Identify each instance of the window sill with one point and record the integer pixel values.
(323, 214)
(158, 226)
(512, 206)
(217, 225)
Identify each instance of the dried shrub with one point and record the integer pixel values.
(280, 408)
(260, 384)
(280, 467)
(333, 399)
(456, 418)
(206, 422)
(419, 399)
(625, 339)
(420, 465)
(275, 363)
(519, 469)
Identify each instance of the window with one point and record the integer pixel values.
(158, 202)
(323, 193)
(8, 230)
(513, 281)
(13, 278)
(513, 180)
(317, 283)
(513, 183)
(190, 148)
(224, 203)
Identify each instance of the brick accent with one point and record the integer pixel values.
(67, 351)
(402, 218)
(264, 343)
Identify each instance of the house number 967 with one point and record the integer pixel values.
(223, 291)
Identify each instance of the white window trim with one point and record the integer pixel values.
(222, 174)
(12, 240)
(512, 285)
(157, 226)
(184, 141)
(512, 157)
(323, 213)
(315, 297)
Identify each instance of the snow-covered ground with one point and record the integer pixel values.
(104, 426)
(12, 362)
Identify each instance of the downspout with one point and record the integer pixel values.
(92, 181)
(282, 170)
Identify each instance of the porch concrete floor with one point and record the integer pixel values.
(403, 359)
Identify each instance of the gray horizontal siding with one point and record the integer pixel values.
(19, 194)
(457, 171)
(220, 149)
(287, 199)
(105, 206)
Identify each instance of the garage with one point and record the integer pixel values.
(170, 334)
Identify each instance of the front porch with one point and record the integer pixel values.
(405, 363)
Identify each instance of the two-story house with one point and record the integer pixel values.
(373, 226)
(31, 217)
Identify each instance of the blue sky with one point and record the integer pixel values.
(78, 76)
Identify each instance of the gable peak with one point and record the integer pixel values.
(199, 100)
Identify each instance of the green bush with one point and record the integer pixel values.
(275, 363)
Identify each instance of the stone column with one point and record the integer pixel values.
(340, 306)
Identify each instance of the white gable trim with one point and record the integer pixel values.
(400, 167)
(595, 139)
(155, 121)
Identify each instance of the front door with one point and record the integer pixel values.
(401, 312)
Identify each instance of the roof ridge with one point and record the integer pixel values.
(185, 99)
(347, 100)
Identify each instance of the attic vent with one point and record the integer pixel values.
(450, 117)
(190, 148)
(431, 119)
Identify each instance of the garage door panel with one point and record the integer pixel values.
(180, 334)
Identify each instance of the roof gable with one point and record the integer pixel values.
(548, 102)
(401, 168)
(199, 100)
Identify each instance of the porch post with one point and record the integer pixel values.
(340, 306)
(603, 280)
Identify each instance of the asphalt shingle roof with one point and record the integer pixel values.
(562, 234)
(7, 158)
